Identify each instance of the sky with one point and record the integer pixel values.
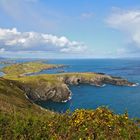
(70, 28)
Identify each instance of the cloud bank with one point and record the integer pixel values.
(127, 21)
(13, 40)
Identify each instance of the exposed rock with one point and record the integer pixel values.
(117, 81)
(45, 91)
(95, 79)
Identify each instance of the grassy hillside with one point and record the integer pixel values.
(13, 99)
(28, 67)
(99, 124)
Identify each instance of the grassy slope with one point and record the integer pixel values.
(99, 124)
(28, 67)
(13, 99)
(55, 78)
(33, 67)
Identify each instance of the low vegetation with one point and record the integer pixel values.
(99, 124)
(27, 68)
(13, 99)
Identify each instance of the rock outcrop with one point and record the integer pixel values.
(94, 79)
(43, 91)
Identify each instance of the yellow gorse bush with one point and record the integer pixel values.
(79, 125)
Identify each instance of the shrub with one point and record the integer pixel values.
(82, 124)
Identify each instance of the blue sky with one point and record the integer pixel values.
(70, 28)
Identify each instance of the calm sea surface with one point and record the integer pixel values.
(117, 98)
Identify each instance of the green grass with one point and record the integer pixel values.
(13, 99)
(28, 67)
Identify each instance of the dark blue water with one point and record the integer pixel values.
(1, 66)
(117, 98)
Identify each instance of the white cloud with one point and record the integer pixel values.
(13, 40)
(127, 21)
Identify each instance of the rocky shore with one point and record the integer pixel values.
(94, 79)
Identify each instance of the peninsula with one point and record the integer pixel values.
(21, 69)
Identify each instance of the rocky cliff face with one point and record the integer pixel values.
(95, 79)
(44, 88)
(117, 81)
(45, 91)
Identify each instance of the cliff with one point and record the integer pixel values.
(13, 99)
(94, 79)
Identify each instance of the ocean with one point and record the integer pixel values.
(117, 98)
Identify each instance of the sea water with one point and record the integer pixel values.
(1, 66)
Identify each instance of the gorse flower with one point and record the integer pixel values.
(79, 125)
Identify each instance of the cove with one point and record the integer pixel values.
(90, 97)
